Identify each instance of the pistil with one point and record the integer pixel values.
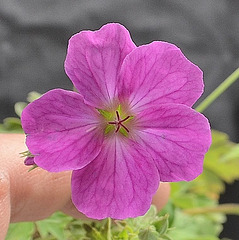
(119, 122)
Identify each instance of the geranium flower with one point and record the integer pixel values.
(130, 126)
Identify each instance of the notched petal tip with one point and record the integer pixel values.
(94, 59)
(159, 73)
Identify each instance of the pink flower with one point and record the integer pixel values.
(130, 126)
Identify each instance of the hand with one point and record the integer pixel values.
(35, 195)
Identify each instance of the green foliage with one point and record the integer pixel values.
(61, 227)
(13, 124)
(19, 106)
(223, 158)
(32, 96)
(193, 212)
(53, 227)
(221, 165)
(20, 231)
(196, 227)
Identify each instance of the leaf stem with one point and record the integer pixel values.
(229, 208)
(218, 91)
(109, 229)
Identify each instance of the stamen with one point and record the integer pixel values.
(117, 114)
(125, 119)
(124, 127)
(118, 128)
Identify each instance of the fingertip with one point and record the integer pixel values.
(71, 210)
(161, 197)
(5, 204)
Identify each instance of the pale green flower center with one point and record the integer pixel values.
(116, 121)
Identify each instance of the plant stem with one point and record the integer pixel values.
(230, 208)
(109, 229)
(218, 91)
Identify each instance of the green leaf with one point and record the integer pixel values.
(55, 226)
(20, 231)
(208, 184)
(184, 195)
(144, 221)
(56, 229)
(19, 106)
(94, 233)
(203, 227)
(229, 208)
(169, 210)
(11, 125)
(148, 234)
(166, 237)
(223, 157)
(32, 96)
(161, 225)
(191, 200)
(150, 225)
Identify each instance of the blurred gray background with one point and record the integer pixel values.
(34, 35)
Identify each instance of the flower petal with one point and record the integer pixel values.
(177, 137)
(94, 59)
(59, 128)
(119, 183)
(159, 73)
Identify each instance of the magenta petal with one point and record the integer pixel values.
(177, 137)
(159, 73)
(119, 183)
(94, 59)
(63, 132)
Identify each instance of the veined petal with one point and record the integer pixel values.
(159, 73)
(119, 183)
(177, 138)
(94, 59)
(63, 132)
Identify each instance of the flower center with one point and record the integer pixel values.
(119, 122)
(116, 121)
